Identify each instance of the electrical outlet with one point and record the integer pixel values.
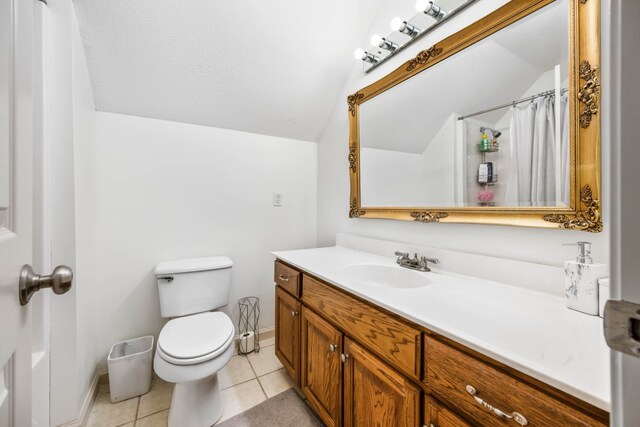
(277, 199)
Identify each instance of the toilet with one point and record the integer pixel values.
(197, 342)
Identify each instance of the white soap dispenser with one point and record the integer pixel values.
(581, 280)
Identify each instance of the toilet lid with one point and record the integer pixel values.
(196, 335)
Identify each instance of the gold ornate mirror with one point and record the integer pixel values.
(496, 124)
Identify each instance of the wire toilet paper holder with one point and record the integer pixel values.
(249, 336)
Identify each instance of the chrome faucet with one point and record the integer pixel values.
(415, 263)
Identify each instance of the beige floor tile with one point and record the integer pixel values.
(155, 420)
(107, 414)
(237, 371)
(158, 399)
(103, 388)
(241, 397)
(265, 361)
(276, 382)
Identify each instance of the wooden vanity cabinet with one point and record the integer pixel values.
(360, 365)
(288, 332)
(322, 367)
(388, 336)
(481, 391)
(375, 394)
(436, 415)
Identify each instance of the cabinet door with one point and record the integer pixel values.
(288, 332)
(321, 367)
(436, 415)
(375, 394)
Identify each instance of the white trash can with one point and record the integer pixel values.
(130, 364)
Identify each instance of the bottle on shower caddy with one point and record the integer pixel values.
(485, 144)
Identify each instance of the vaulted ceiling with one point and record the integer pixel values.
(267, 67)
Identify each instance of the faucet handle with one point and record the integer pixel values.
(402, 254)
(431, 260)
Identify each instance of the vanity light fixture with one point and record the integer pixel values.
(430, 15)
(400, 25)
(362, 55)
(430, 8)
(379, 41)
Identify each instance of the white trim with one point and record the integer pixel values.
(100, 377)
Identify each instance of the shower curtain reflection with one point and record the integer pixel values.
(536, 145)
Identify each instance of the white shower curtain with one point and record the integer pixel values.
(532, 177)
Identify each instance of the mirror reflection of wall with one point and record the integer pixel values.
(422, 143)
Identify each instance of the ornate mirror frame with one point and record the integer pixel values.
(584, 107)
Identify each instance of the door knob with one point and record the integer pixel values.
(60, 281)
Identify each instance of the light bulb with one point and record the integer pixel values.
(430, 8)
(359, 54)
(376, 39)
(397, 23)
(421, 5)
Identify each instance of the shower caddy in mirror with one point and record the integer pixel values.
(543, 135)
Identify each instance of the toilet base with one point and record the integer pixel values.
(196, 403)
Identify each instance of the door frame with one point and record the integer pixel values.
(624, 107)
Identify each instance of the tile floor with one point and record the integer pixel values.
(246, 381)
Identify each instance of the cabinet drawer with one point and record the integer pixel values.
(394, 341)
(287, 278)
(453, 375)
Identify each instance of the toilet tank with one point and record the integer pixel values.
(193, 285)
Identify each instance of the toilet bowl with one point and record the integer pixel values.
(196, 343)
(190, 352)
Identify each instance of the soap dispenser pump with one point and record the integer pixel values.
(581, 280)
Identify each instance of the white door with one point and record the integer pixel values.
(16, 191)
(23, 341)
(625, 208)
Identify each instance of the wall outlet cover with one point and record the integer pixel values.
(277, 199)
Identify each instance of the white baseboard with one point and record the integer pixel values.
(83, 418)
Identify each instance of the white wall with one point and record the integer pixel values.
(390, 178)
(168, 190)
(69, 138)
(84, 137)
(530, 244)
(439, 168)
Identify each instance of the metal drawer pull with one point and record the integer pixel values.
(294, 313)
(516, 416)
(332, 347)
(344, 357)
(283, 278)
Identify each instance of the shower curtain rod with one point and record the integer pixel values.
(520, 101)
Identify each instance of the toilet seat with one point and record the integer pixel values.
(195, 339)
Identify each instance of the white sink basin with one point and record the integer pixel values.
(386, 275)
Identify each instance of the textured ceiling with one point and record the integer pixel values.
(267, 67)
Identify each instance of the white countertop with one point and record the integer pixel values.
(530, 331)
